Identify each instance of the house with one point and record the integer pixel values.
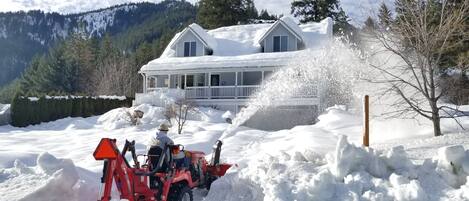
(225, 66)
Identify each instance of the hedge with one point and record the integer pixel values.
(27, 111)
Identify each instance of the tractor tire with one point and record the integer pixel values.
(183, 194)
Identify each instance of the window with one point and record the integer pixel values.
(162, 81)
(190, 49)
(280, 43)
(190, 80)
(151, 82)
(252, 78)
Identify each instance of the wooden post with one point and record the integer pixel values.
(366, 110)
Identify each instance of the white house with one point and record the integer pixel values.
(225, 66)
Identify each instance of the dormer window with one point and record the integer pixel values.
(190, 49)
(280, 43)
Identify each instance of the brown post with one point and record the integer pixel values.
(366, 109)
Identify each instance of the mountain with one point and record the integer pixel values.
(26, 34)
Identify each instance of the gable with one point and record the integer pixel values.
(268, 42)
(189, 36)
(288, 25)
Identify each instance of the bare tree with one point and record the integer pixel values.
(134, 117)
(179, 111)
(420, 38)
(115, 77)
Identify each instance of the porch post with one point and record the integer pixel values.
(210, 85)
(185, 81)
(178, 77)
(262, 76)
(144, 90)
(169, 81)
(236, 85)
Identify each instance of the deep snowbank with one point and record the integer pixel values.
(350, 173)
(51, 179)
(153, 116)
(311, 162)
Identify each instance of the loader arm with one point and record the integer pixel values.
(116, 168)
(137, 182)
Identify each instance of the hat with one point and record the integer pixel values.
(163, 127)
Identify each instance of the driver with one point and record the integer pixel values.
(161, 138)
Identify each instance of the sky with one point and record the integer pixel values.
(358, 10)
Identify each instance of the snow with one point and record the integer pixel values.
(199, 31)
(156, 98)
(238, 46)
(50, 179)
(290, 22)
(97, 22)
(53, 161)
(4, 114)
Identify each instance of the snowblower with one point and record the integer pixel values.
(158, 179)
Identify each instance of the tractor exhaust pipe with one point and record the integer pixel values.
(216, 153)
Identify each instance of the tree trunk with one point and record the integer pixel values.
(436, 120)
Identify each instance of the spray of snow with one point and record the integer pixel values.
(308, 74)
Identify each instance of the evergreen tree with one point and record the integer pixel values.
(266, 16)
(384, 16)
(370, 24)
(317, 10)
(218, 13)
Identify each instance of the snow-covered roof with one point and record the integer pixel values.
(238, 46)
(199, 32)
(289, 24)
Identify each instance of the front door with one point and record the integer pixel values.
(183, 82)
(215, 80)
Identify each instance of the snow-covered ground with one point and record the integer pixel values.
(53, 161)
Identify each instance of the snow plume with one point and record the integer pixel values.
(328, 73)
(350, 173)
(51, 179)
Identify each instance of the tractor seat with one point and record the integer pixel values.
(154, 154)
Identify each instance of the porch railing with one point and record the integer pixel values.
(233, 92)
(220, 92)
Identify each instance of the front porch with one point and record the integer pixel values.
(208, 85)
(220, 89)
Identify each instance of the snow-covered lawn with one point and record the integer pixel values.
(311, 162)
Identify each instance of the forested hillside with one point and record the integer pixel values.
(25, 34)
(88, 53)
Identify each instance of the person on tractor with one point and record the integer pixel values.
(161, 138)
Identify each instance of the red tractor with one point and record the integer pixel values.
(159, 179)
